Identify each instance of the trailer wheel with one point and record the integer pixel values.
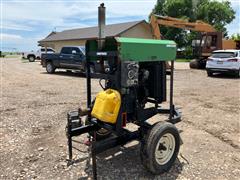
(160, 147)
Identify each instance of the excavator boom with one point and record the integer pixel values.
(198, 26)
(209, 39)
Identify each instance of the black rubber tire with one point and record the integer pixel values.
(31, 58)
(50, 68)
(99, 134)
(150, 142)
(202, 64)
(237, 74)
(194, 64)
(209, 73)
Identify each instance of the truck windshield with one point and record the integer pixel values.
(224, 54)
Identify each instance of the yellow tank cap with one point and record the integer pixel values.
(107, 105)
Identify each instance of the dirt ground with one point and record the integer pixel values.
(33, 112)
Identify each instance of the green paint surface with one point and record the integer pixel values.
(137, 49)
(143, 50)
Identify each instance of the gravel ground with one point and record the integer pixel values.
(33, 112)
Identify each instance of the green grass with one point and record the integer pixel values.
(12, 56)
(183, 60)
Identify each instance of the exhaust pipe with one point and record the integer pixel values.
(101, 25)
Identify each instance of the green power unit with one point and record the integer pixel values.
(134, 65)
(137, 49)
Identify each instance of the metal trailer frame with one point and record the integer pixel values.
(122, 135)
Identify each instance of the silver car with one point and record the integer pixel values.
(224, 61)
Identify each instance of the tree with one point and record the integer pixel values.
(218, 14)
(236, 37)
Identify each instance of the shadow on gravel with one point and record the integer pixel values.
(125, 163)
(66, 73)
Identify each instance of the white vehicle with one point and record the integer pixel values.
(223, 61)
(32, 56)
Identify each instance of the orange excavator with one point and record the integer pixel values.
(209, 38)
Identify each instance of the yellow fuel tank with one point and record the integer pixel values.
(107, 105)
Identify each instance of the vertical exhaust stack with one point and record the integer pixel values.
(101, 25)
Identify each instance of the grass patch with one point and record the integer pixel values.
(183, 60)
(12, 56)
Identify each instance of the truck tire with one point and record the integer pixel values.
(209, 73)
(194, 64)
(31, 58)
(160, 147)
(50, 68)
(237, 74)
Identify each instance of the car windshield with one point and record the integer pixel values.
(224, 54)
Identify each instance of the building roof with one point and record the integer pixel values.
(90, 32)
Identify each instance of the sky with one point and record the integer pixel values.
(24, 22)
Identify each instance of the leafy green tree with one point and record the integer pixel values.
(216, 13)
(236, 37)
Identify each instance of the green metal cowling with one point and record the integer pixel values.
(136, 49)
(146, 50)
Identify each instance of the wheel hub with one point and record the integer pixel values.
(165, 148)
(49, 67)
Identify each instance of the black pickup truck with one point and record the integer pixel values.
(69, 58)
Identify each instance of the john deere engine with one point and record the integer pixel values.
(135, 68)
